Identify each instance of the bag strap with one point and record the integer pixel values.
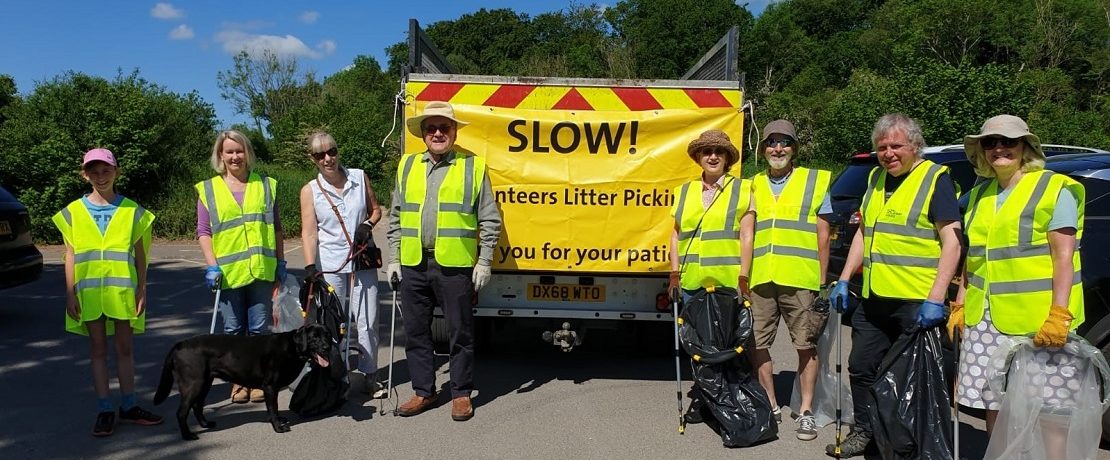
(335, 209)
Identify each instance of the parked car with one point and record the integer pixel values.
(20, 260)
(1092, 169)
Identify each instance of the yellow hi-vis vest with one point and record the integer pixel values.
(785, 247)
(456, 240)
(243, 238)
(1008, 259)
(901, 248)
(709, 240)
(104, 268)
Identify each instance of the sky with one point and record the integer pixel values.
(182, 45)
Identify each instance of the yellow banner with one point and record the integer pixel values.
(586, 190)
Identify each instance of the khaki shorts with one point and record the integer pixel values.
(769, 301)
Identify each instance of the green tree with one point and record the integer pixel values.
(8, 94)
(153, 133)
(266, 87)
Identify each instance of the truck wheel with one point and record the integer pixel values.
(1105, 415)
(441, 335)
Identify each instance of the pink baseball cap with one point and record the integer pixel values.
(104, 155)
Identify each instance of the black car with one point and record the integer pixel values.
(20, 260)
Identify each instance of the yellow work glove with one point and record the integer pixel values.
(955, 320)
(1054, 331)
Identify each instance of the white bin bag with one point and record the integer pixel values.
(1052, 400)
(287, 305)
(824, 393)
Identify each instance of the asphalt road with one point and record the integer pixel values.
(609, 400)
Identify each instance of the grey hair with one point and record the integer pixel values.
(218, 146)
(899, 122)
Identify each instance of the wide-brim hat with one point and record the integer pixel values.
(1005, 126)
(713, 138)
(779, 127)
(433, 109)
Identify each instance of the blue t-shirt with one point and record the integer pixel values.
(102, 214)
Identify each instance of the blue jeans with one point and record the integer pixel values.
(253, 302)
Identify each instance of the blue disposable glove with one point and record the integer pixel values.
(930, 314)
(838, 296)
(213, 276)
(280, 271)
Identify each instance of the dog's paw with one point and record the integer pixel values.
(281, 425)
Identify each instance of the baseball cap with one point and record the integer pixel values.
(98, 154)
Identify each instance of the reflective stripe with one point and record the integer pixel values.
(730, 212)
(404, 182)
(690, 258)
(976, 281)
(784, 251)
(901, 230)
(244, 255)
(93, 283)
(922, 195)
(685, 235)
(871, 178)
(719, 235)
(409, 232)
(213, 213)
(1014, 252)
(94, 254)
(682, 204)
(807, 204)
(457, 233)
(760, 251)
(977, 251)
(268, 195)
(468, 182)
(410, 207)
(795, 225)
(67, 216)
(264, 217)
(1025, 226)
(719, 261)
(1021, 287)
(904, 261)
(455, 207)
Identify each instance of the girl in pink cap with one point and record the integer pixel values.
(107, 239)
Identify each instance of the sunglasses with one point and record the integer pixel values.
(720, 153)
(444, 128)
(990, 142)
(332, 152)
(785, 142)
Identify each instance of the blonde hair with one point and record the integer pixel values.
(217, 148)
(1030, 161)
(320, 141)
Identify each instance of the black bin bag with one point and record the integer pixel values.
(911, 417)
(716, 331)
(323, 389)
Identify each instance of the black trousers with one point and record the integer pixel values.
(422, 288)
(876, 324)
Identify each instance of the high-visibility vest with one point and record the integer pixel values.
(456, 239)
(709, 240)
(1008, 258)
(104, 269)
(243, 238)
(785, 247)
(901, 248)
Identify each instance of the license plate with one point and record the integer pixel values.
(566, 292)
(5, 228)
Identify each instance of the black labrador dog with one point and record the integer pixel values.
(270, 362)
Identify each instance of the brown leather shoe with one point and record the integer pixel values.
(461, 409)
(415, 405)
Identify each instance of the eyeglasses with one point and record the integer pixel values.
(332, 152)
(444, 128)
(990, 142)
(785, 142)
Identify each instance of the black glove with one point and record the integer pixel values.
(311, 273)
(362, 234)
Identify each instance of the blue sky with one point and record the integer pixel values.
(183, 44)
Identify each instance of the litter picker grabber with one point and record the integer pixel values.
(677, 360)
(216, 305)
(839, 376)
(394, 284)
(956, 339)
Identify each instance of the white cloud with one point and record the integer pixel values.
(166, 11)
(181, 32)
(234, 41)
(309, 17)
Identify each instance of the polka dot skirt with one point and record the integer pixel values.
(1052, 371)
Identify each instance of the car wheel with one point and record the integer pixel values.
(1106, 415)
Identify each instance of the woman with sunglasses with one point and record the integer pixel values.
(1022, 273)
(338, 201)
(239, 232)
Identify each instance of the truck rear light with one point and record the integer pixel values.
(855, 218)
(662, 303)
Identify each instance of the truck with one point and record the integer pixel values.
(583, 172)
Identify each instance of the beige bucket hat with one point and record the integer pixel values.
(433, 109)
(714, 138)
(1005, 126)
